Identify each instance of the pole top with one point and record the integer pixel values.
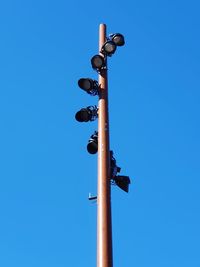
(102, 25)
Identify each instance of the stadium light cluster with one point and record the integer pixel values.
(90, 113)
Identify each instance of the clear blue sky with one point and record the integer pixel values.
(46, 172)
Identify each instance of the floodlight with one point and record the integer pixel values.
(89, 86)
(123, 182)
(87, 114)
(92, 146)
(97, 62)
(118, 39)
(108, 48)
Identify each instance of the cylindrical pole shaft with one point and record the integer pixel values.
(104, 224)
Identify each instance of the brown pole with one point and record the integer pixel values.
(104, 224)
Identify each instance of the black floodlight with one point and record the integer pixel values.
(118, 39)
(87, 114)
(98, 62)
(123, 182)
(92, 146)
(89, 86)
(108, 48)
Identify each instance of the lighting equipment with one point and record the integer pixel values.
(123, 182)
(89, 86)
(97, 62)
(87, 114)
(117, 38)
(108, 48)
(92, 146)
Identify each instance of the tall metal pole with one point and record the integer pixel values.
(104, 224)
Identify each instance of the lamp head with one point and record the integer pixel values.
(118, 39)
(123, 182)
(82, 115)
(97, 62)
(92, 146)
(88, 85)
(87, 114)
(108, 48)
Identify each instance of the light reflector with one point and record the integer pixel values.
(108, 48)
(97, 62)
(118, 39)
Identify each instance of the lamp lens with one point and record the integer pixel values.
(118, 39)
(97, 62)
(85, 84)
(109, 47)
(92, 147)
(83, 115)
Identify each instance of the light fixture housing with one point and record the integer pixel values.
(89, 86)
(89, 113)
(108, 48)
(122, 182)
(98, 62)
(92, 146)
(117, 38)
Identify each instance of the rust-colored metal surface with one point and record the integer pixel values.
(104, 225)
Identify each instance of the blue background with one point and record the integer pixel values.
(46, 172)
